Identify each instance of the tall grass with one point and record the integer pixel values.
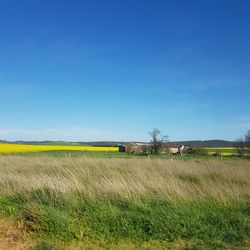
(157, 202)
(125, 177)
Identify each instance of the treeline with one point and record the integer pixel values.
(208, 143)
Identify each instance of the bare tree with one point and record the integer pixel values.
(247, 142)
(247, 137)
(243, 145)
(240, 147)
(157, 141)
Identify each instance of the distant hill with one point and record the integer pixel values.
(207, 143)
(196, 143)
(66, 143)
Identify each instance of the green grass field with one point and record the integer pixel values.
(111, 202)
(70, 153)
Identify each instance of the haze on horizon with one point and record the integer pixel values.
(114, 70)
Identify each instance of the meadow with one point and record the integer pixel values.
(86, 202)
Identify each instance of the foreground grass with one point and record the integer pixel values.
(95, 203)
(204, 224)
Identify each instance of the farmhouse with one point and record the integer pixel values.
(174, 149)
(136, 147)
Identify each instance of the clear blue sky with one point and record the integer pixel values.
(114, 70)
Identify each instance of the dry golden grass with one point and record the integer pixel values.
(225, 180)
(10, 236)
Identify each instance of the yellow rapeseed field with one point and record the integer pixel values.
(222, 153)
(222, 148)
(19, 148)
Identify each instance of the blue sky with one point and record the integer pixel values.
(114, 70)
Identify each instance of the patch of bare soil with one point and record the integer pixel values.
(10, 236)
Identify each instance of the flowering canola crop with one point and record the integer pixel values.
(19, 148)
(222, 153)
